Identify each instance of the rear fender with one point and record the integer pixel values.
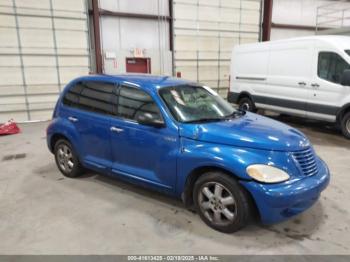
(63, 127)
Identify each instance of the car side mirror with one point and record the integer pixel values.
(345, 78)
(149, 120)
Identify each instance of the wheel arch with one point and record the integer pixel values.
(57, 136)
(343, 110)
(245, 94)
(234, 97)
(54, 138)
(71, 138)
(191, 179)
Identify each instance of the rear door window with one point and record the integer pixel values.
(331, 66)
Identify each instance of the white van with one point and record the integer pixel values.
(307, 77)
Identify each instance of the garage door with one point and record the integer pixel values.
(205, 32)
(43, 45)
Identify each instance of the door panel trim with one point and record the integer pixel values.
(300, 113)
(251, 78)
(279, 109)
(298, 105)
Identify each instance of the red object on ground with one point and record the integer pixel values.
(9, 128)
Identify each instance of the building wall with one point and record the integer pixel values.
(43, 45)
(46, 43)
(120, 35)
(204, 35)
(206, 31)
(294, 12)
(335, 18)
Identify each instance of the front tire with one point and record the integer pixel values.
(246, 104)
(66, 159)
(221, 202)
(345, 125)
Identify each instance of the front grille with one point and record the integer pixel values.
(306, 161)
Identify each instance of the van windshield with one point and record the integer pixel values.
(347, 51)
(191, 103)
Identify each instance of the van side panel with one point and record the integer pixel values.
(248, 70)
(283, 76)
(288, 74)
(274, 74)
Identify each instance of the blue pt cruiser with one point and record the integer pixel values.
(183, 139)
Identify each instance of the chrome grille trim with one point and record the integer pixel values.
(306, 161)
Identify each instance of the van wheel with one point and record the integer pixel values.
(246, 104)
(221, 202)
(66, 159)
(345, 125)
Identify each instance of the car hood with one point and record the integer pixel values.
(250, 130)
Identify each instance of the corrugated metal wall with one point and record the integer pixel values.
(205, 32)
(295, 12)
(43, 45)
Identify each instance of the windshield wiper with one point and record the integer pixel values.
(200, 120)
(236, 113)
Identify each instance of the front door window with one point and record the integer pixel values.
(331, 66)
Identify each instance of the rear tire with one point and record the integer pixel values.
(221, 202)
(66, 159)
(345, 125)
(246, 104)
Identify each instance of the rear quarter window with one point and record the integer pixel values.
(92, 96)
(71, 98)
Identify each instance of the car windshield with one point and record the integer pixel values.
(348, 52)
(191, 103)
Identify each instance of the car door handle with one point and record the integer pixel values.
(302, 83)
(315, 85)
(73, 119)
(116, 129)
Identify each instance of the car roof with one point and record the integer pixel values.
(140, 80)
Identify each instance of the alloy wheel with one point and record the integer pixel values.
(65, 158)
(217, 203)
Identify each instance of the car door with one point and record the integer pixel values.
(140, 152)
(90, 115)
(326, 92)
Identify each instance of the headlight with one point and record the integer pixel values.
(267, 174)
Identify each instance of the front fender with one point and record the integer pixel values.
(196, 154)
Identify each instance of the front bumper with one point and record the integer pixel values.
(278, 202)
